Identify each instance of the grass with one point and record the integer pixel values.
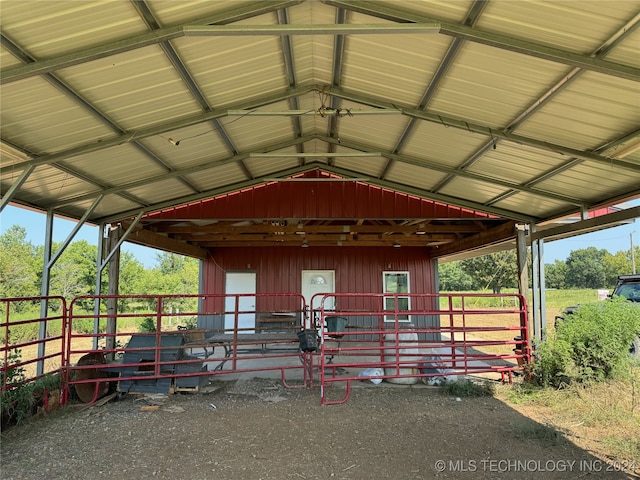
(543, 433)
(468, 388)
(600, 417)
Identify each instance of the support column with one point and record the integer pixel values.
(523, 270)
(539, 300)
(115, 234)
(44, 290)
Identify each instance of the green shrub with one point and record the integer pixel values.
(18, 400)
(592, 344)
(148, 324)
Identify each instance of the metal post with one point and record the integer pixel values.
(112, 302)
(44, 291)
(99, 267)
(535, 285)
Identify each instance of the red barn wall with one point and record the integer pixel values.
(357, 269)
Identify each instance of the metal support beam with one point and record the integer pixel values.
(538, 293)
(487, 131)
(156, 130)
(44, 290)
(75, 230)
(496, 40)
(77, 57)
(98, 289)
(9, 194)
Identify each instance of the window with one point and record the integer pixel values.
(396, 283)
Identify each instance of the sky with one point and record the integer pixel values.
(612, 239)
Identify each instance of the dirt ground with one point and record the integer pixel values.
(255, 428)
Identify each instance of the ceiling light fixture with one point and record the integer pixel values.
(305, 244)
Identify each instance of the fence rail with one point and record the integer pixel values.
(168, 343)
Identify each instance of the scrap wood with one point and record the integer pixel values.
(149, 408)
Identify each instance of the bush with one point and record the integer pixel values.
(592, 344)
(148, 324)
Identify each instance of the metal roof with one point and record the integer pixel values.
(525, 110)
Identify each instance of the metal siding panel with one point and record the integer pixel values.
(358, 270)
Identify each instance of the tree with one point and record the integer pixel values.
(555, 275)
(74, 273)
(453, 278)
(496, 270)
(19, 267)
(585, 268)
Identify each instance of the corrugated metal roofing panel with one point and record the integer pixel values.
(107, 207)
(414, 176)
(473, 190)
(52, 185)
(312, 53)
(169, 12)
(436, 9)
(109, 165)
(36, 116)
(377, 131)
(368, 166)
(230, 69)
(516, 163)
(7, 59)
(217, 177)
(196, 145)
(580, 29)
(134, 89)
(590, 180)
(161, 191)
(54, 28)
(475, 86)
(373, 62)
(530, 204)
(627, 52)
(258, 132)
(445, 145)
(592, 110)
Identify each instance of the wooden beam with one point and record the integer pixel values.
(222, 228)
(501, 233)
(162, 242)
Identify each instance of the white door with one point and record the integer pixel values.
(240, 283)
(319, 281)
